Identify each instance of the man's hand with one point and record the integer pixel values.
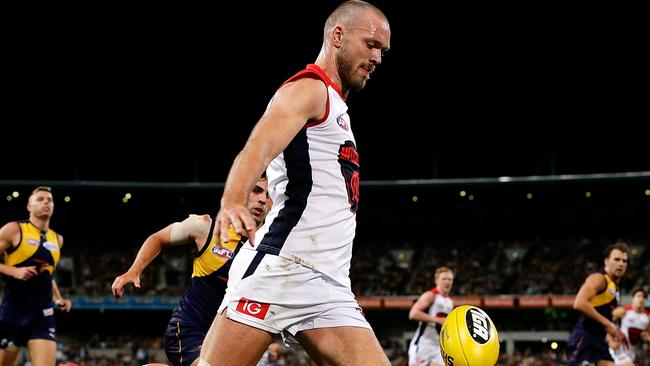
(24, 273)
(617, 334)
(240, 218)
(64, 304)
(123, 280)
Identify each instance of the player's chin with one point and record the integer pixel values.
(359, 84)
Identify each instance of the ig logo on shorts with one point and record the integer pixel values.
(253, 308)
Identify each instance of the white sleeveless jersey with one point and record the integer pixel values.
(633, 323)
(314, 184)
(428, 333)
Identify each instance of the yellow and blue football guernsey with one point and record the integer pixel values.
(36, 248)
(27, 310)
(587, 341)
(605, 302)
(198, 308)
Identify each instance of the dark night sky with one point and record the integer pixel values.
(463, 92)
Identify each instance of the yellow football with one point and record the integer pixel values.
(468, 338)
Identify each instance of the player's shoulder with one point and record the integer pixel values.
(234, 236)
(11, 225)
(10, 228)
(195, 219)
(196, 224)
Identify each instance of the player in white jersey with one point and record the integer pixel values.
(635, 323)
(430, 310)
(295, 276)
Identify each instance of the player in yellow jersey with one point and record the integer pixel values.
(596, 300)
(193, 317)
(31, 253)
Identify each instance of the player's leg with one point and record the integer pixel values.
(42, 352)
(341, 346)
(183, 340)
(230, 343)
(604, 363)
(436, 357)
(9, 356)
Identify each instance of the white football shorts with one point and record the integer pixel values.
(425, 352)
(278, 295)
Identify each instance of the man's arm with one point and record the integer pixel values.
(618, 313)
(292, 107)
(9, 236)
(194, 229)
(418, 310)
(593, 285)
(63, 304)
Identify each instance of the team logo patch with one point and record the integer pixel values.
(222, 252)
(48, 312)
(478, 326)
(341, 121)
(52, 247)
(33, 242)
(253, 308)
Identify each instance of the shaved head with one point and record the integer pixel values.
(347, 12)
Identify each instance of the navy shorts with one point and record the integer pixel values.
(582, 346)
(38, 326)
(183, 340)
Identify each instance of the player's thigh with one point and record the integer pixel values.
(605, 363)
(42, 352)
(9, 356)
(339, 346)
(229, 343)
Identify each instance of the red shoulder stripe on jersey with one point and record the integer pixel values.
(627, 307)
(435, 291)
(316, 72)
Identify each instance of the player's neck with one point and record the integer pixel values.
(42, 224)
(328, 65)
(614, 278)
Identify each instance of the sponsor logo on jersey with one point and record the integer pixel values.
(222, 252)
(52, 247)
(253, 308)
(341, 121)
(478, 325)
(32, 241)
(48, 312)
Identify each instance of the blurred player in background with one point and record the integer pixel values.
(430, 310)
(193, 316)
(31, 253)
(635, 324)
(596, 300)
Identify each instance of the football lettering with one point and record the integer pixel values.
(478, 326)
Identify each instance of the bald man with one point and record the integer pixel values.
(293, 276)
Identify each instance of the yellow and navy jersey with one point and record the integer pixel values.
(604, 302)
(36, 248)
(209, 279)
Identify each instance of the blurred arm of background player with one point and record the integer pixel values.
(193, 230)
(61, 303)
(595, 284)
(419, 309)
